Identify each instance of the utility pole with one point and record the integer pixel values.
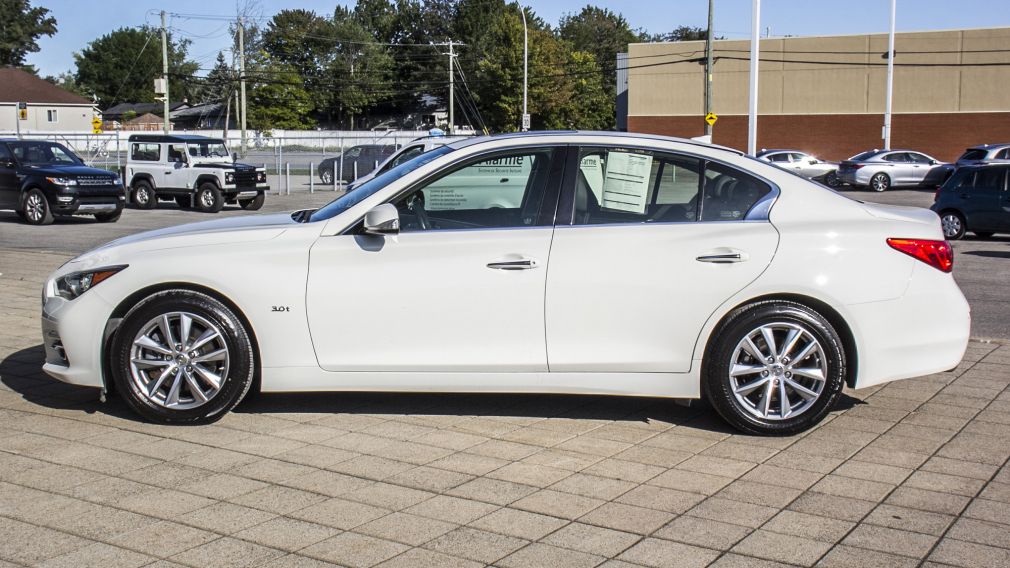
(164, 65)
(708, 72)
(890, 78)
(241, 77)
(452, 123)
(752, 106)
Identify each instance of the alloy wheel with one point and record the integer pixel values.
(142, 196)
(35, 208)
(179, 360)
(778, 371)
(951, 225)
(207, 199)
(880, 182)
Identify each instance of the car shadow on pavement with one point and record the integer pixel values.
(988, 253)
(21, 372)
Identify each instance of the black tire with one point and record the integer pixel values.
(880, 182)
(253, 204)
(35, 209)
(144, 196)
(209, 198)
(326, 175)
(184, 201)
(233, 336)
(953, 225)
(723, 351)
(109, 217)
(984, 234)
(832, 180)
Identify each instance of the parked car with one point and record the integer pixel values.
(195, 171)
(804, 164)
(881, 170)
(974, 199)
(357, 161)
(43, 180)
(632, 265)
(407, 152)
(984, 153)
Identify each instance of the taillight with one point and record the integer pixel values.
(937, 254)
(856, 166)
(936, 194)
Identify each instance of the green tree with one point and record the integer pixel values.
(304, 42)
(583, 102)
(67, 82)
(279, 100)
(21, 26)
(682, 33)
(362, 68)
(121, 66)
(602, 33)
(220, 82)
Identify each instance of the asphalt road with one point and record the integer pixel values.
(981, 266)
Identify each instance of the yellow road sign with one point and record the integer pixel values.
(96, 123)
(96, 131)
(710, 118)
(22, 114)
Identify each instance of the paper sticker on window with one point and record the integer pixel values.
(592, 172)
(626, 184)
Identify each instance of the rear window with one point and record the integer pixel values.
(973, 154)
(864, 156)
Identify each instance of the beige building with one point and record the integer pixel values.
(48, 107)
(826, 95)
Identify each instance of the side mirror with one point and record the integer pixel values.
(234, 156)
(813, 160)
(382, 220)
(933, 162)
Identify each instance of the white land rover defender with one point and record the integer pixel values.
(195, 171)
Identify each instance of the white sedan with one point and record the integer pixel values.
(601, 263)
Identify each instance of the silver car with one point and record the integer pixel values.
(984, 153)
(880, 170)
(803, 164)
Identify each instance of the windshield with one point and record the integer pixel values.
(973, 154)
(864, 156)
(43, 153)
(367, 189)
(209, 149)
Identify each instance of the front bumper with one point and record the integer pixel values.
(76, 204)
(72, 333)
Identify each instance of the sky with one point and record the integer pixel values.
(81, 21)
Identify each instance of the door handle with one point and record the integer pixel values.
(523, 264)
(724, 256)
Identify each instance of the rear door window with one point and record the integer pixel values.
(975, 154)
(145, 152)
(990, 179)
(898, 157)
(730, 193)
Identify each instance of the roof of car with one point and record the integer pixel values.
(632, 135)
(172, 138)
(765, 152)
(988, 146)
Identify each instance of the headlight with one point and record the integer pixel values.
(115, 180)
(261, 177)
(229, 177)
(62, 181)
(70, 286)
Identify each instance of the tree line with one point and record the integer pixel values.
(379, 59)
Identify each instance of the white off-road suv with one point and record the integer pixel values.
(195, 171)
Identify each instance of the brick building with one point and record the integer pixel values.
(826, 95)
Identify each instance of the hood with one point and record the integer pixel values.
(224, 166)
(58, 171)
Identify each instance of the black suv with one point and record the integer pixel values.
(40, 180)
(358, 161)
(976, 199)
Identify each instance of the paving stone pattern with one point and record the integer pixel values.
(913, 473)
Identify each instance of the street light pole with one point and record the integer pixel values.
(708, 72)
(164, 66)
(890, 78)
(752, 106)
(526, 36)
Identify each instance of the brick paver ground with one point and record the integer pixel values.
(913, 473)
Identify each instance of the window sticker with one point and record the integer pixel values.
(626, 183)
(592, 170)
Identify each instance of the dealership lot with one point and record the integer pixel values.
(909, 472)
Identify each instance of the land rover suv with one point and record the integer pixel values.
(195, 171)
(42, 180)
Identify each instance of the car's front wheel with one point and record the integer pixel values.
(326, 176)
(953, 225)
(181, 356)
(775, 368)
(880, 182)
(35, 209)
(144, 196)
(209, 198)
(253, 204)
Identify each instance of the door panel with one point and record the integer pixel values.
(635, 297)
(981, 204)
(9, 184)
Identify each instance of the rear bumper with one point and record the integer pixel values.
(854, 177)
(925, 331)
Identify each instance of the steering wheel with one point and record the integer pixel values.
(415, 204)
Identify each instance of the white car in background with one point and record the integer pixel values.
(803, 164)
(626, 265)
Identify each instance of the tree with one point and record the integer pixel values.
(683, 33)
(220, 82)
(279, 100)
(121, 66)
(304, 42)
(21, 26)
(602, 33)
(362, 68)
(66, 82)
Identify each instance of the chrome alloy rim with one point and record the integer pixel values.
(207, 198)
(179, 360)
(879, 183)
(142, 195)
(951, 225)
(778, 371)
(35, 208)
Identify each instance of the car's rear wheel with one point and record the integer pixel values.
(144, 196)
(36, 209)
(182, 357)
(108, 217)
(952, 224)
(832, 179)
(253, 204)
(775, 368)
(880, 182)
(209, 198)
